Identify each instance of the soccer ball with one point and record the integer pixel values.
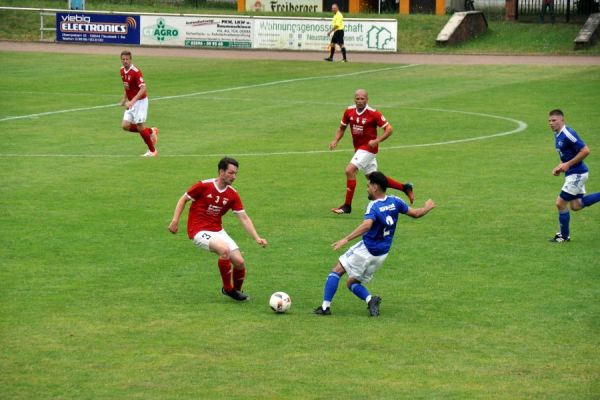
(280, 302)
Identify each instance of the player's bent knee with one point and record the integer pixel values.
(338, 269)
(561, 204)
(236, 259)
(577, 205)
(221, 249)
(238, 265)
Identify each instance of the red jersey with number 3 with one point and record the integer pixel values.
(132, 81)
(363, 126)
(209, 204)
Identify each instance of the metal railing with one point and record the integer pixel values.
(559, 9)
(43, 27)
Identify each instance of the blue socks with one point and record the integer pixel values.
(590, 199)
(331, 285)
(564, 218)
(360, 291)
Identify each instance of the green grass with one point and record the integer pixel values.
(99, 301)
(416, 33)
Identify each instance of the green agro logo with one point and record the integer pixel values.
(161, 31)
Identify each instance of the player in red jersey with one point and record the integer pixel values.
(211, 199)
(135, 101)
(364, 121)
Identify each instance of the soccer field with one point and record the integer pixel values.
(99, 301)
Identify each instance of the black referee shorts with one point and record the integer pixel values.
(338, 37)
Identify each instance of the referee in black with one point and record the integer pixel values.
(337, 28)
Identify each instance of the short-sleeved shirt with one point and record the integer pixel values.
(337, 22)
(384, 213)
(568, 144)
(363, 126)
(209, 204)
(132, 81)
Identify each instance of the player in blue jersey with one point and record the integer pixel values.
(365, 257)
(571, 150)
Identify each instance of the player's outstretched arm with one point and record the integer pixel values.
(174, 225)
(359, 231)
(249, 227)
(419, 212)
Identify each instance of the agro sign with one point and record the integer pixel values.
(198, 31)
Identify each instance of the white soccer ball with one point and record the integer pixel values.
(280, 302)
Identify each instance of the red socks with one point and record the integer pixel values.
(394, 184)
(146, 137)
(133, 128)
(350, 187)
(227, 273)
(225, 270)
(238, 278)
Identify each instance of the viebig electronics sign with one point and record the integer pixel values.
(97, 28)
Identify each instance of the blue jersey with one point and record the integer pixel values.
(568, 144)
(384, 213)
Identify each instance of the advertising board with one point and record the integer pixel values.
(229, 31)
(380, 35)
(97, 28)
(197, 31)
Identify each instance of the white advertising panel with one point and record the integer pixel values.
(198, 31)
(274, 33)
(311, 34)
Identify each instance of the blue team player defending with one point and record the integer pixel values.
(571, 150)
(365, 257)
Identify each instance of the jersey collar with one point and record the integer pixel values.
(362, 111)
(562, 130)
(214, 182)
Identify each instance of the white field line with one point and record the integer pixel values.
(230, 89)
(521, 126)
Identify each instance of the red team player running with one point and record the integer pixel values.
(135, 101)
(211, 199)
(364, 121)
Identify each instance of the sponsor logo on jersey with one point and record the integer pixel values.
(389, 207)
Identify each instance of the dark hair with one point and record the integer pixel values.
(379, 179)
(225, 161)
(557, 112)
(126, 53)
